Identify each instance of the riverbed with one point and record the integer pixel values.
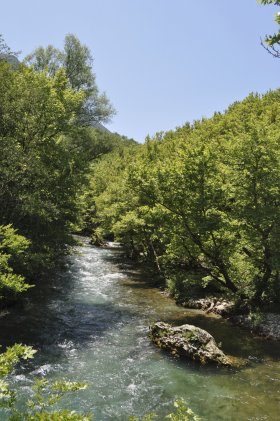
(90, 323)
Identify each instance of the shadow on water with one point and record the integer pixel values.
(51, 334)
(78, 324)
(146, 274)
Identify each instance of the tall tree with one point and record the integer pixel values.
(38, 177)
(76, 60)
(48, 59)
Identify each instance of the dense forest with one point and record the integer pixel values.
(199, 205)
(48, 142)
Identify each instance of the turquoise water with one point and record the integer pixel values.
(91, 324)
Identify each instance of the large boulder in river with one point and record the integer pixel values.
(190, 342)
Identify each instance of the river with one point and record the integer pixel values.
(91, 322)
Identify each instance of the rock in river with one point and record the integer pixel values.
(190, 342)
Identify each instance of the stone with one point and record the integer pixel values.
(189, 342)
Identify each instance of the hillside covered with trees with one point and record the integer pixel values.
(201, 203)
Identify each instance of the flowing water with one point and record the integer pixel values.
(91, 324)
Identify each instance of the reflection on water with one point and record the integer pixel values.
(91, 324)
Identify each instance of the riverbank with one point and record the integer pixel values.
(259, 323)
(263, 324)
(266, 325)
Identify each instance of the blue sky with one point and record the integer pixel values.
(161, 62)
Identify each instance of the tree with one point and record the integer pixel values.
(39, 176)
(272, 42)
(76, 60)
(13, 253)
(47, 59)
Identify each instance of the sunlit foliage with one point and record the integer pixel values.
(202, 200)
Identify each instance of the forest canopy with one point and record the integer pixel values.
(202, 202)
(46, 150)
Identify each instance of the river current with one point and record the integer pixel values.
(90, 324)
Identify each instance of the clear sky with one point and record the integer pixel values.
(161, 62)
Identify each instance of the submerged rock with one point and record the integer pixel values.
(190, 342)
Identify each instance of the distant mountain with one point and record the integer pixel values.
(100, 126)
(10, 58)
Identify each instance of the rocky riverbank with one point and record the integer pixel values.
(262, 324)
(215, 305)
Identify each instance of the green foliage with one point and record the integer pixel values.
(76, 60)
(63, 415)
(8, 360)
(201, 203)
(274, 2)
(45, 394)
(257, 318)
(46, 152)
(38, 184)
(272, 42)
(41, 167)
(12, 254)
(182, 413)
(107, 184)
(149, 417)
(12, 356)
